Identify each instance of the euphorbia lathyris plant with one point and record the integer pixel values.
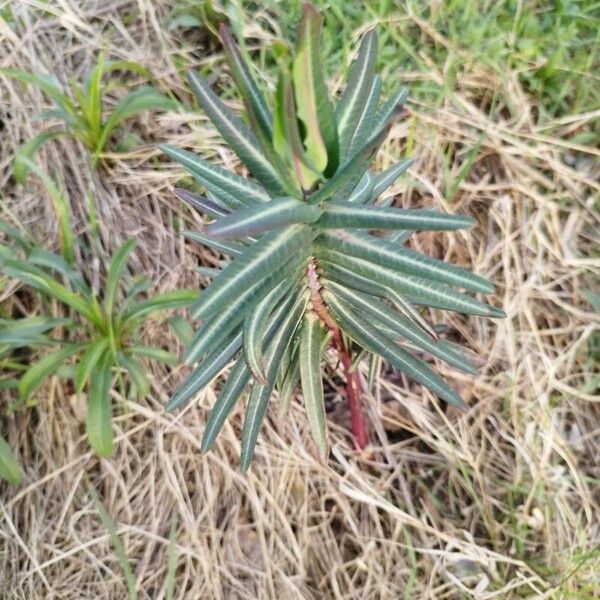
(306, 272)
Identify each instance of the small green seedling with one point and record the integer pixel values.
(100, 347)
(82, 111)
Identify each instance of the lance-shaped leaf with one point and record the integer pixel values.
(260, 394)
(356, 216)
(367, 285)
(374, 341)
(353, 100)
(289, 381)
(386, 254)
(259, 114)
(217, 328)
(366, 121)
(41, 370)
(363, 190)
(255, 324)
(233, 190)
(312, 383)
(374, 310)
(253, 220)
(204, 373)
(313, 105)
(269, 253)
(89, 361)
(355, 167)
(115, 271)
(238, 379)
(386, 178)
(271, 172)
(229, 248)
(286, 133)
(416, 289)
(98, 423)
(212, 208)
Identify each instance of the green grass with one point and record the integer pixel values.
(553, 47)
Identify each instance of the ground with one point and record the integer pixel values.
(499, 502)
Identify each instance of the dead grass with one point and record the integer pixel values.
(500, 502)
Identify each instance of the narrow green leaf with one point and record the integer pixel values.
(255, 324)
(49, 260)
(166, 301)
(386, 254)
(386, 178)
(21, 332)
(368, 337)
(139, 100)
(354, 168)
(242, 141)
(38, 372)
(354, 281)
(135, 372)
(312, 384)
(229, 248)
(204, 373)
(9, 467)
(238, 379)
(109, 525)
(239, 191)
(354, 98)
(260, 394)
(157, 354)
(207, 206)
(28, 149)
(290, 381)
(115, 272)
(99, 413)
(60, 205)
(256, 107)
(46, 83)
(392, 108)
(417, 290)
(366, 121)
(374, 310)
(272, 251)
(253, 220)
(346, 215)
(363, 190)
(88, 362)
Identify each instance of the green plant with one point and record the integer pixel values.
(100, 347)
(306, 273)
(82, 111)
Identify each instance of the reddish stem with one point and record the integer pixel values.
(353, 383)
(354, 393)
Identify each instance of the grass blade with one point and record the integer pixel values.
(115, 540)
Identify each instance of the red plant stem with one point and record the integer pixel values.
(353, 383)
(354, 394)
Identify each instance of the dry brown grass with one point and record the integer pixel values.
(500, 502)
